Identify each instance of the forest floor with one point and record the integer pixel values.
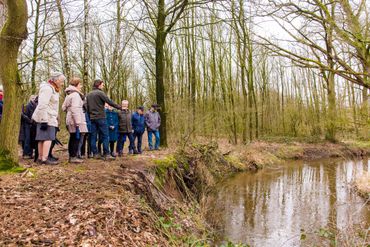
(93, 204)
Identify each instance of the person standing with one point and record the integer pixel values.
(46, 115)
(152, 122)
(75, 119)
(138, 125)
(125, 129)
(96, 100)
(1, 101)
(112, 121)
(28, 128)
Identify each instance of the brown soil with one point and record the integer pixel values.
(79, 205)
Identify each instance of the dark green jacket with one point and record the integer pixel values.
(124, 118)
(96, 100)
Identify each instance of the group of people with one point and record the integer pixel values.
(96, 129)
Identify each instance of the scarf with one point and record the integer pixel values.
(54, 85)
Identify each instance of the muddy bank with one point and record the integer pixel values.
(261, 154)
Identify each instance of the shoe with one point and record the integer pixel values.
(120, 154)
(131, 152)
(49, 162)
(38, 161)
(75, 160)
(136, 152)
(108, 157)
(157, 149)
(90, 156)
(53, 158)
(27, 157)
(113, 154)
(97, 156)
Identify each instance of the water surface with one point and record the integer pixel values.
(273, 207)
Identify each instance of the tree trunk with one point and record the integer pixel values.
(159, 69)
(64, 42)
(12, 34)
(85, 76)
(35, 45)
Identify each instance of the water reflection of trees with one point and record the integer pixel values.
(273, 205)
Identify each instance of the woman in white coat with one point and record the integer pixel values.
(46, 115)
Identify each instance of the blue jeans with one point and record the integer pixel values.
(150, 140)
(99, 126)
(122, 140)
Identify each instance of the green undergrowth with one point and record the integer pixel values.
(8, 166)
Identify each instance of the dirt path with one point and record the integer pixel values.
(75, 205)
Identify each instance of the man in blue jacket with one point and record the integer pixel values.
(138, 125)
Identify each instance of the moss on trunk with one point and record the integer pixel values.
(11, 37)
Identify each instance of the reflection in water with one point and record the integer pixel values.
(270, 207)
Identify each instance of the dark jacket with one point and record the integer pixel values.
(1, 109)
(112, 122)
(96, 100)
(152, 120)
(124, 117)
(26, 120)
(138, 122)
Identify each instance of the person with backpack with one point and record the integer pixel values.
(96, 101)
(75, 119)
(27, 131)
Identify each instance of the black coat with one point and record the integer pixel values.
(27, 122)
(124, 118)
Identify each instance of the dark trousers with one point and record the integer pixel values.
(85, 145)
(27, 143)
(73, 144)
(99, 126)
(139, 137)
(121, 142)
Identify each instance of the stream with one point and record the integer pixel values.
(299, 203)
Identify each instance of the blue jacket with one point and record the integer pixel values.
(138, 122)
(112, 122)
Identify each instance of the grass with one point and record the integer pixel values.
(7, 166)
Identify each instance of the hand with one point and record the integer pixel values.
(44, 126)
